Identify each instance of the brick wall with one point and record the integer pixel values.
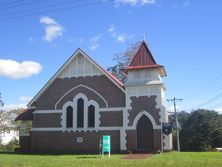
(144, 103)
(101, 84)
(66, 142)
(47, 120)
(114, 118)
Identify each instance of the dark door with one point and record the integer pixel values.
(144, 134)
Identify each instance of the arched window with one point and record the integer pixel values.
(80, 113)
(91, 116)
(69, 117)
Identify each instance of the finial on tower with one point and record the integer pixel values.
(144, 37)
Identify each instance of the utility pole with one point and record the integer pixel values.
(176, 119)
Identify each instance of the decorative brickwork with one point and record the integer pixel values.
(144, 103)
(101, 84)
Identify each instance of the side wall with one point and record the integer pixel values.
(49, 133)
(66, 142)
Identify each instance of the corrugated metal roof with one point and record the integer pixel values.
(143, 59)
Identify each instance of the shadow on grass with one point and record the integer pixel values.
(79, 156)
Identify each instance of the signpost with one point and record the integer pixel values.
(106, 145)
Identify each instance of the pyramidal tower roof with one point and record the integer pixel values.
(144, 59)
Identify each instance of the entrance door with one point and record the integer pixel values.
(144, 134)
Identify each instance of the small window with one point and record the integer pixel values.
(91, 116)
(69, 117)
(80, 113)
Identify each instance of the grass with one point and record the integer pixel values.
(213, 159)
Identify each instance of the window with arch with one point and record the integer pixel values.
(69, 117)
(91, 116)
(80, 113)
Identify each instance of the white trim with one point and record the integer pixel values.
(78, 51)
(123, 140)
(77, 130)
(24, 135)
(155, 126)
(61, 110)
(95, 104)
(87, 103)
(47, 111)
(46, 129)
(84, 95)
(111, 109)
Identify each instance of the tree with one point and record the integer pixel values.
(122, 60)
(200, 130)
(7, 118)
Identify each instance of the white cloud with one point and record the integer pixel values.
(9, 107)
(121, 38)
(219, 110)
(52, 29)
(25, 99)
(112, 28)
(94, 42)
(47, 20)
(15, 70)
(134, 2)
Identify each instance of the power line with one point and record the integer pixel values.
(220, 103)
(55, 10)
(12, 2)
(42, 7)
(22, 4)
(210, 84)
(174, 100)
(209, 101)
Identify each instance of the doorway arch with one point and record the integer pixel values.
(144, 133)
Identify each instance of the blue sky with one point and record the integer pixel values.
(184, 35)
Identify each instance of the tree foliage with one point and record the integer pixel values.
(122, 60)
(7, 118)
(10, 147)
(201, 130)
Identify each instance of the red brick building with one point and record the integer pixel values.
(83, 102)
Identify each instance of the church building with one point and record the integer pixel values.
(83, 101)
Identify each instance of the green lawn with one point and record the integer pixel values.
(163, 160)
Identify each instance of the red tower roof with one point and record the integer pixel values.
(144, 59)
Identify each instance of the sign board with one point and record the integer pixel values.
(167, 128)
(106, 145)
(79, 140)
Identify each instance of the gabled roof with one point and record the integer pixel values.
(26, 115)
(144, 59)
(117, 82)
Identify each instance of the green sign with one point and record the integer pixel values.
(106, 144)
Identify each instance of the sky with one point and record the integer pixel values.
(185, 36)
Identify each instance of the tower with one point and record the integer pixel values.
(145, 102)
